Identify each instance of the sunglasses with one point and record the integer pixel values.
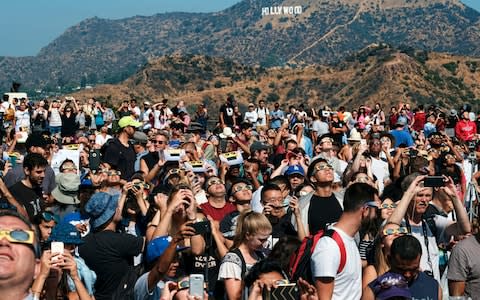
(239, 188)
(322, 167)
(387, 206)
(215, 181)
(158, 142)
(400, 230)
(139, 185)
(111, 172)
(326, 140)
(18, 236)
(48, 216)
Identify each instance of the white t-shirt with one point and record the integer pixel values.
(320, 127)
(251, 117)
(55, 118)
(100, 140)
(22, 120)
(325, 262)
(262, 115)
(380, 170)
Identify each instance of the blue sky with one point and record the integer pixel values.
(28, 25)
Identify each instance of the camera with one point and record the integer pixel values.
(472, 146)
(202, 227)
(413, 153)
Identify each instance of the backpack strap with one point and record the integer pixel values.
(343, 252)
(240, 255)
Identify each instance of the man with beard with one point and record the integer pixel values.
(35, 143)
(332, 283)
(321, 207)
(413, 206)
(28, 191)
(379, 166)
(119, 153)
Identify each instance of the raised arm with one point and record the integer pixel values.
(462, 226)
(402, 206)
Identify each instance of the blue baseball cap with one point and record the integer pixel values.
(157, 247)
(295, 169)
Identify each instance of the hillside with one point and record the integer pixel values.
(326, 32)
(378, 73)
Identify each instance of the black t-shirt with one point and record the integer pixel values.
(337, 137)
(69, 125)
(323, 211)
(110, 256)
(121, 158)
(227, 110)
(29, 198)
(282, 226)
(228, 225)
(151, 158)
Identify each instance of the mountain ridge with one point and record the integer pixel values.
(108, 51)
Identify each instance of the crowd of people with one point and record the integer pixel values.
(150, 202)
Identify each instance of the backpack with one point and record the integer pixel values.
(300, 262)
(9, 114)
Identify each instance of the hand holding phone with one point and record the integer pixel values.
(56, 249)
(196, 286)
(433, 181)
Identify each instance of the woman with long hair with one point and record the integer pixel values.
(381, 250)
(253, 230)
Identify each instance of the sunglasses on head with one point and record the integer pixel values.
(18, 236)
(48, 216)
(386, 206)
(400, 230)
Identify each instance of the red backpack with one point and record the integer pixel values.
(300, 262)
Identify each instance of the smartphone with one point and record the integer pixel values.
(196, 285)
(288, 291)
(201, 227)
(94, 159)
(56, 248)
(363, 141)
(433, 181)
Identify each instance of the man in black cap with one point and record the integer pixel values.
(35, 143)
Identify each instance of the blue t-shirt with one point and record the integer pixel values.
(402, 137)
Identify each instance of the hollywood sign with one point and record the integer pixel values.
(281, 10)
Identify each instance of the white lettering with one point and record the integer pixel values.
(282, 10)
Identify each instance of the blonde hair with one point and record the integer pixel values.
(250, 222)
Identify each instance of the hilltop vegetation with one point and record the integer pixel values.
(378, 73)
